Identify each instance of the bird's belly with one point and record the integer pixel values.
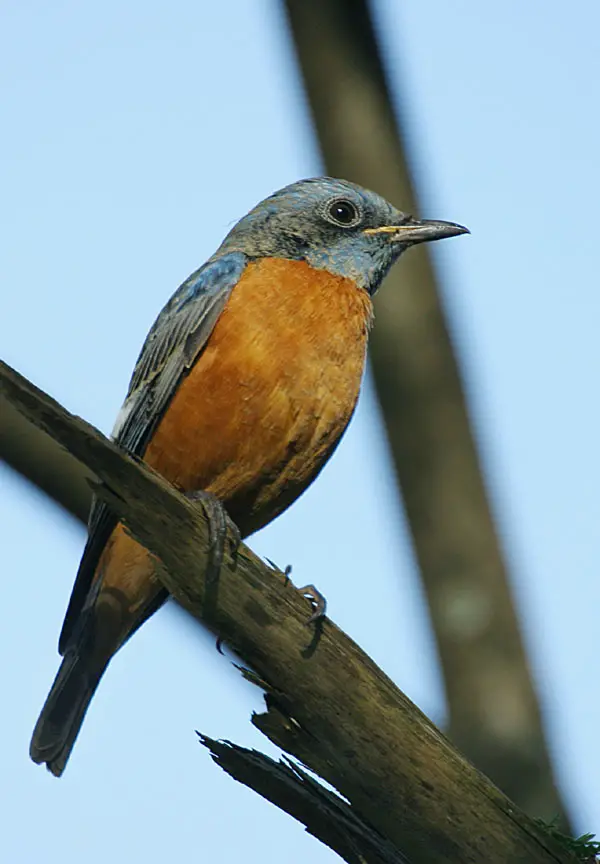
(265, 404)
(282, 448)
(260, 447)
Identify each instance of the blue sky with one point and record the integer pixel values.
(133, 136)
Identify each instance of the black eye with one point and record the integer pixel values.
(343, 212)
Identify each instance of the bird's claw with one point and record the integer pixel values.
(287, 572)
(317, 600)
(220, 527)
(309, 592)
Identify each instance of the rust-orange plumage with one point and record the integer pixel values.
(243, 389)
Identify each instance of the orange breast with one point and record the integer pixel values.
(256, 417)
(272, 392)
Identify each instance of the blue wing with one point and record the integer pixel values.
(172, 346)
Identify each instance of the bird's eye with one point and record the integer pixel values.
(343, 212)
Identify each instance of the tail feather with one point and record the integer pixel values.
(100, 630)
(64, 710)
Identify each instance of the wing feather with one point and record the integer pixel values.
(171, 348)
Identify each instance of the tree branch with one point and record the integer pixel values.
(418, 383)
(325, 815)
(34, 455)
(328, 704)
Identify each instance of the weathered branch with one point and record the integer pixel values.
(325, 815)
(40, 460)
(328, 704)
(416, 374)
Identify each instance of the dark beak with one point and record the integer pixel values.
(419, 231)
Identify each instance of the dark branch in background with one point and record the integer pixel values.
(328, 704)
(493, 707)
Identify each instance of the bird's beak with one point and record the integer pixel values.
(419, 231)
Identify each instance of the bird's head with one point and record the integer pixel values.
(333, 225)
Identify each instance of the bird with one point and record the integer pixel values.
(243, 389)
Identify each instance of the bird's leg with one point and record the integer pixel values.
(219, 526)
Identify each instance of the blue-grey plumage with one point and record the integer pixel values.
(333, 225)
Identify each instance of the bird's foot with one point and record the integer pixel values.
(309, 592)
(286, 573)
(220, 528)
(317, 601)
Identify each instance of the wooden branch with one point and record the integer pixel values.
(34, 455)
(417, 378)
(326, 816)
(328, 704)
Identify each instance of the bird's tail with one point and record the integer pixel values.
(64, 710)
